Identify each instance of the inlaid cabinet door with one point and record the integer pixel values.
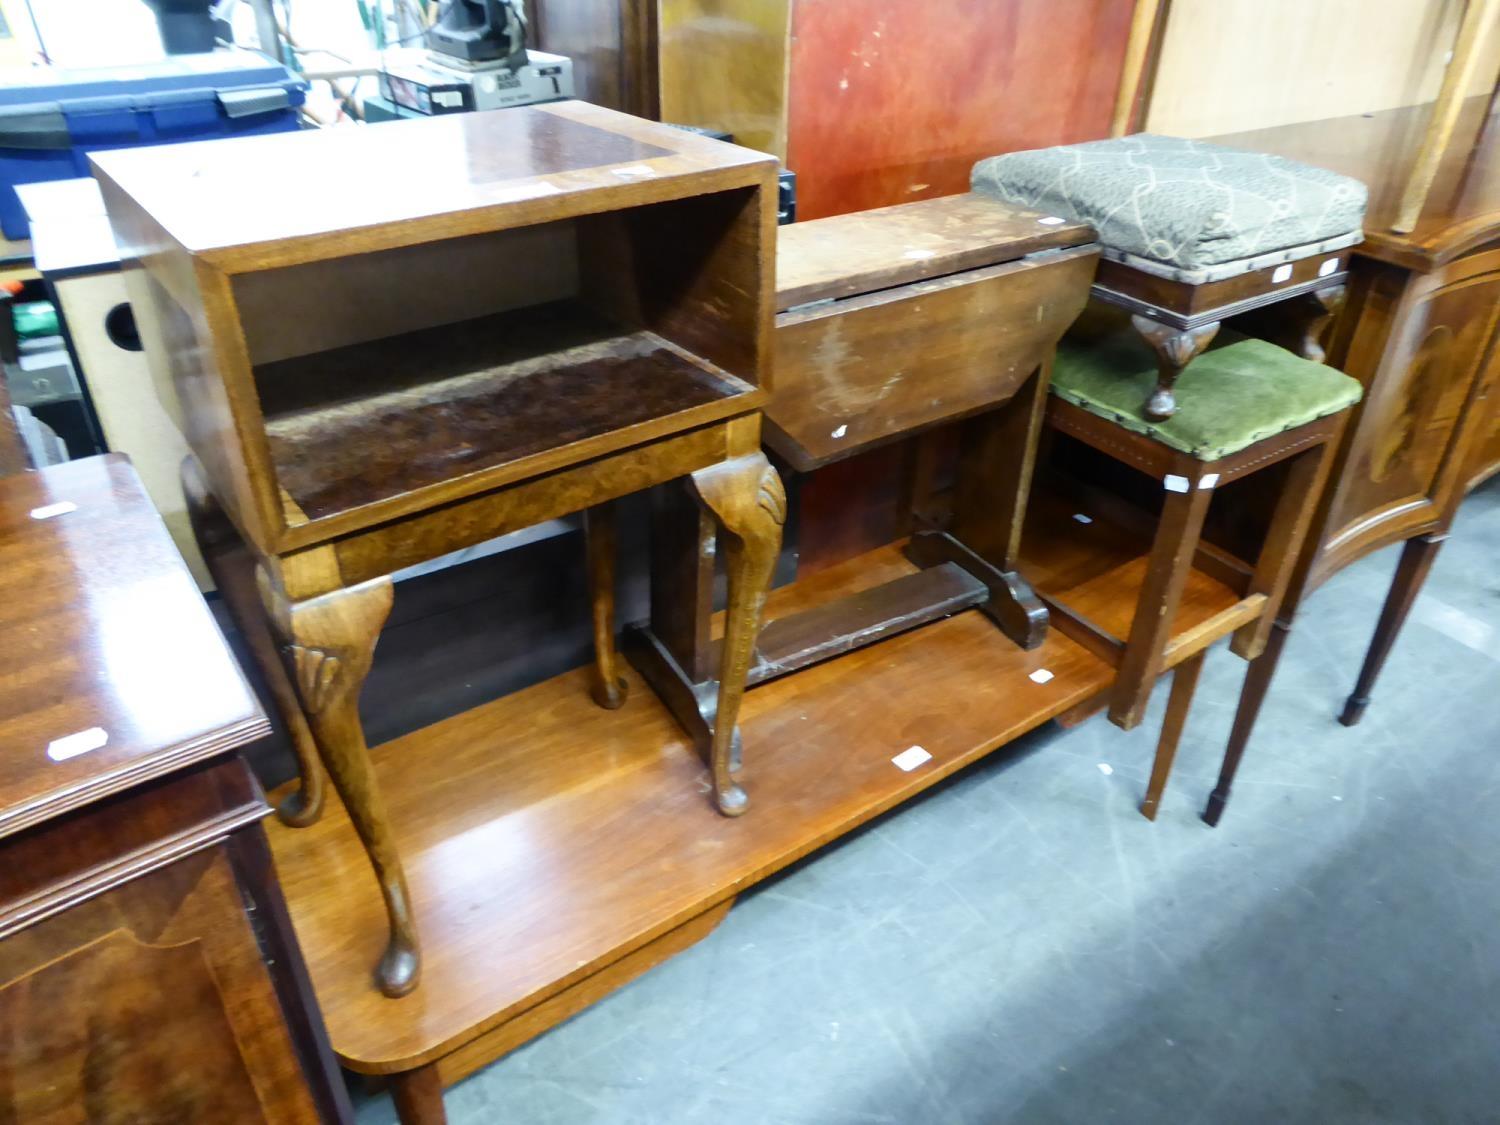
(150, 1003)
(1399, 478)
(1483, 455)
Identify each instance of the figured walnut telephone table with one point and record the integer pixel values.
(387, 344)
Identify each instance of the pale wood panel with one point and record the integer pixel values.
(1233, 65)
(134, 420)
(723, 65)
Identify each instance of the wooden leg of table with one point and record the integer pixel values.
(233, 570)
(1300, 493)
(1318, 310)
(608, 686)
(1252, 695)
(418, 1095)
(989, 509)
(328, 642)
(748, 503)
(1411, 574)
(1184, 684)
(1175, 348)
(1171, 559)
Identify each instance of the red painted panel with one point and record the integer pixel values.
(889, 102)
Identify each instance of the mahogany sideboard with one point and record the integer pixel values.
(148, 971)
(1418, 330)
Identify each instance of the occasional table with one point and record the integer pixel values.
(147, 965)
(390, 344)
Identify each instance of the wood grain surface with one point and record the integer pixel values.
(1462, 209)
(104, 639)
(557, 837)
(891, 103)
(859, 253)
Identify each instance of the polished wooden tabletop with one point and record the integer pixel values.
(279, 199)
(1463, 207)
(869, 250)
(112, 670)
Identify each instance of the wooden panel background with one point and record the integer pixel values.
(887, 103)
(724, 64)
(1233, 65)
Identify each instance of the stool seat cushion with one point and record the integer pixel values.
(1233, 395)
(1182, 208)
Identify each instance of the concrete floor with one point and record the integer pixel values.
(1019, 945)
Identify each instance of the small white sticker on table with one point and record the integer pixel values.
(1040, 676)
(1208, 480)
(72, 745)
(1281, 273)
(910, 758)
(1174, 483)
(1328, 267)
(841, 431)
(920, 255)
(61, 508)
(1052, 220)
(635, 171)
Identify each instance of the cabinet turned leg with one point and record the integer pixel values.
(233, 570)
(1175, 348)
(1411, 574)
(608, 686)
(328, 643)
(1252, 695)
(1318, 310)
(1184, 684)
(747, 501)
(418, 1095)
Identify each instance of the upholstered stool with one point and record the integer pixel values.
(1247, 405)
(1194, 233)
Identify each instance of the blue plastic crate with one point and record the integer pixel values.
(51, 118)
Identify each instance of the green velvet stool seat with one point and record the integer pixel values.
(1248, 405)
(1239, 392)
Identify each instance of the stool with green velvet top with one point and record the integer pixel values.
(1249, 405)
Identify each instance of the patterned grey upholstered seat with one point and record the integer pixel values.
(1184, 209)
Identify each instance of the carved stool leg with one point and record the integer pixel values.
(1166, 574)
(233, 570)
(1175, 348)
(328, 642)
(1184, 684)
(746, 499)
(1319, 308)
(1252, 695)
(1411, 574)
(608, 686)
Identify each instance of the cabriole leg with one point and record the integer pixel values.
(748, 504)
(1175, 348)
(328, 643)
